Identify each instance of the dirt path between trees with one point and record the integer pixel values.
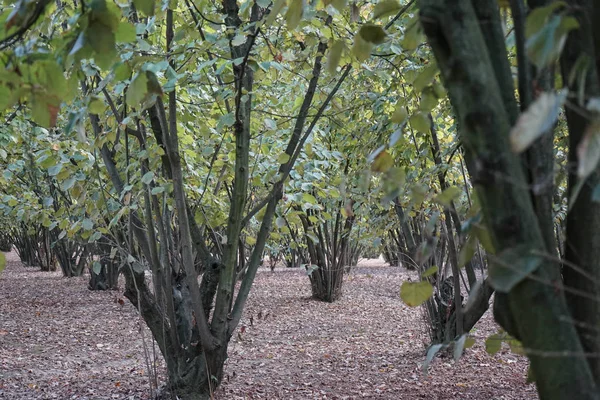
(58, 340)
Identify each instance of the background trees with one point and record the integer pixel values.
(174, 143)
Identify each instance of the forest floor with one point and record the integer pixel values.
(58, 340)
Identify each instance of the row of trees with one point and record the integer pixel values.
(178, 143)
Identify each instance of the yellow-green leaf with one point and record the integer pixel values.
(420, 122)
(588, 150)
(541, 115)
(493, 344)
(102, 40)
(415, 293)
(294, 14)
(137, 90)
(283, 158)
(428, 100)
(467, 251)
(339, 5)
(125, 33)
(372, 33)
(335, 55)
(512, 266)
(275, 10)
(413, 36)
(145, 6)
(309, 198)
(361, 48)
(383, 162)
(96, 106)
(425, 77)
(448, 196)
(399, 115)
(385, 8)
(430, 271)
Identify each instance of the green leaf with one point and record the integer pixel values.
(96, 106)
(283, 158)
(413, 36)
(79, 44)
(275, 10)
(153, 84)
(596, 194)
(415, 293)
(470, 342)
(137, 90)
(385, 8)
(2, 262)
(309, 198)
(430, 271)
(311, 268)
(102, 40)
(425, 77)
(539, 118)
(467, 251)
(87, 224)
(546, 44)
(588, 150)
(145, 6)
(515, 346)
(361, 48)
(44, 110)
(122, 72)
(383, 162)
(313, 237)
(238, 40)
(55, 170)
(431, 352)
(459, 346)
(372, 33)
(335, 55)
(395, 136)
(280, 222)
(448, 196)
(158, 189)
(399, 115)
(339, 5)
(293, 16)
(428, 100)
(97, 267)
(148, 177)
(484, 237)
(493, 344)
(439, 90)
(512, 267)
(530, 376)
(420, 122)
(125, 33)
(538, 16)
(95, 236)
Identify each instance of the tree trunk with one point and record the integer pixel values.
(582, 247)
(532, 310)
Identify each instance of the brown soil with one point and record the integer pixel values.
(58, 340)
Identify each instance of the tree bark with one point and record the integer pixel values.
(583, 219)
(477, 88)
